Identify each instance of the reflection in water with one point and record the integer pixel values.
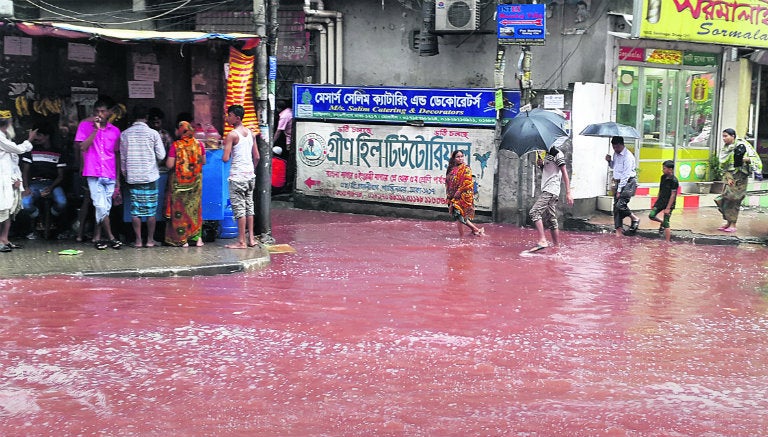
(397, 327)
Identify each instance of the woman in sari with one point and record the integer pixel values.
(186, 158)
(737, 161)
(460, 192)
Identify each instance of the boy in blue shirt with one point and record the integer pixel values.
(665, 203)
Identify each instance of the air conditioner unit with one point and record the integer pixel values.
(456, 16)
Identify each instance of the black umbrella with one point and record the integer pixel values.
(610, 129)
(532, 130)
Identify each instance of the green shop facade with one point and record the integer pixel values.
(670, 96)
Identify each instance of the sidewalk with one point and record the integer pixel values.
(695, 225)
(41, 257)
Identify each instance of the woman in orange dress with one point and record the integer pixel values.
(460, 192)
(183, 210)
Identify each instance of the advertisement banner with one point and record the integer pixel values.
(402, 165)
(521, 24)
(474, 106)
(738, 22)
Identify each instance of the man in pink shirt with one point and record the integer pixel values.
(99, 142)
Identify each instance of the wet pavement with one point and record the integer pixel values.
(694, 225)
(41, 257)
(394, 327)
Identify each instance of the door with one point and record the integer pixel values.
(672, 110)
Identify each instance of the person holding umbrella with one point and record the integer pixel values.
(553, 170)
(625, 180)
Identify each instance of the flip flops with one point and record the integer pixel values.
(100, 245)
(115, 244)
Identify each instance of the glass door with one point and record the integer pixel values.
(672, 110)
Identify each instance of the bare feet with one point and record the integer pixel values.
(200, 242)
(185, 245)
(151, 243)
(137, 244)
(480, 232)
(252, 243)
(236, 246)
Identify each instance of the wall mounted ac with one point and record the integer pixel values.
(456, 16)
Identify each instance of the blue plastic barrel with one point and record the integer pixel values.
(228, 225)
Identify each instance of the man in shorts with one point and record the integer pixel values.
(99, 142)
(553, 171)
(665, 203)
(241, 148)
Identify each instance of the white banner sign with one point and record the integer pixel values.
(390, 164)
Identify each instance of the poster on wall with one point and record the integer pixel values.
(738, 23)
(402, 165)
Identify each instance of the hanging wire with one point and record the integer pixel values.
(108, 24)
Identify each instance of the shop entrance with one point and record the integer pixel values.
(673, 111)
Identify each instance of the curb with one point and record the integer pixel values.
(686, 235)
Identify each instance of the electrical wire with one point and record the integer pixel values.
(163, 7)
(559, 69)
(186, 2)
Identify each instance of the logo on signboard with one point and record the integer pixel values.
(312, 150)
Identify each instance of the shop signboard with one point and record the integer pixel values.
(402, 165)
(666, 56)
(474, 106)
(737, 23)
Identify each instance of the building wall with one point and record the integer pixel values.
(378, 48)
(378, 51)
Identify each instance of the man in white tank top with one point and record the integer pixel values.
(241, 148)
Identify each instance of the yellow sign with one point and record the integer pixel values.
(736, 22)
(700, 90)
(663, 56)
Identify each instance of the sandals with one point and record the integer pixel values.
(114, 244)
(479, 232)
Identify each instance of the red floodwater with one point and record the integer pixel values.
(397, 327)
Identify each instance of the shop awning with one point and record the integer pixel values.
(71, 31)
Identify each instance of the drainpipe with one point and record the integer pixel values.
(320, 28)
(328, 45)
(335, 42)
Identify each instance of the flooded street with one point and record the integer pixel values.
(390, 327)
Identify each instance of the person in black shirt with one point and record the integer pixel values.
(42, 170)
(665, 203)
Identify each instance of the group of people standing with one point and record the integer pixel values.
(133, 156)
